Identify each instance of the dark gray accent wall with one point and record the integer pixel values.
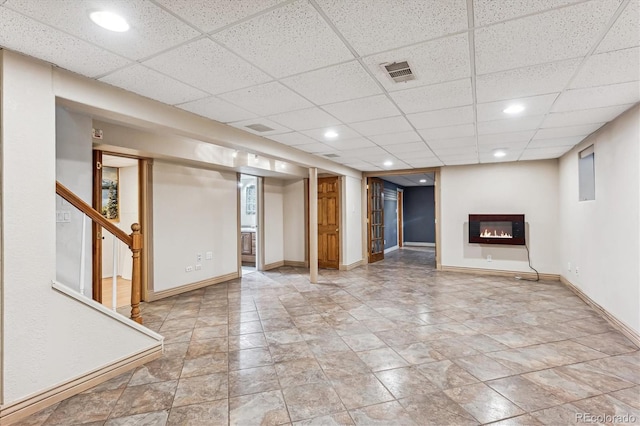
(419, 214)
(390, 218)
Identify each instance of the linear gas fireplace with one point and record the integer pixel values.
(496, 229)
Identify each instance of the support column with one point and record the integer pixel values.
(313, 225)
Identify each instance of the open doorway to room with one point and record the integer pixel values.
(119, 203)
(401, 213)
(249, 223)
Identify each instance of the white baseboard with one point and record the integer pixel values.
(156, 295)
(500, 273)
(418, 244)
(273, 265)
(633, 335)
(390, 249)
(352, 265)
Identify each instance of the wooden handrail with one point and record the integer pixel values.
(95, 215)
(133, 241)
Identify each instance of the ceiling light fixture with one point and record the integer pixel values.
(499, 153)
(423, 181)
(110, 21)
(388, 163)
(331, 134)
(514, 109)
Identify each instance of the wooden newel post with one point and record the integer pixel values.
(136, 277)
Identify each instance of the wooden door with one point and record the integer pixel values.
(329, 222)
(96, 230)
(375, 218)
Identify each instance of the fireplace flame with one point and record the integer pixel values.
(487, 234)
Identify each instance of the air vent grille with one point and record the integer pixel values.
(400, 71)
(259, 127)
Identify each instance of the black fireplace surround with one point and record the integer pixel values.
(497, 229)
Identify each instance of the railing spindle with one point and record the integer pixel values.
(136, 276)
(83, 256)
(114, 277)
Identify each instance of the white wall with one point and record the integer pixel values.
(194, 211)
(294, 221)
(47, 338)
(352, 216)
(73, 170)
(529, 187)
(273, 221)
(600, 237)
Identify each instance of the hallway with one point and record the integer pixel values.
(390, 343)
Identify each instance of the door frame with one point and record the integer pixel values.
(437, 196)
(145, 219)
(400, 213)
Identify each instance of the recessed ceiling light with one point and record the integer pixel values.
(235, 154)
(388, 163)
(514, 109)
(330, 134)
(423, 181)
(499, 153)
(109, 21)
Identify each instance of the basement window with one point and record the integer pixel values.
(586, 175)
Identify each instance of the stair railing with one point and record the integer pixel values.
(133, 241)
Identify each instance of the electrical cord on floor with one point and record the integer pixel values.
(536, 271)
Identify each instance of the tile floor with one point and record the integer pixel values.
(395, 343)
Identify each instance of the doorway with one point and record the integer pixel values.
(249, 223)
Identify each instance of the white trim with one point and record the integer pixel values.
(419, 244)
(390, 249)
(106, 311)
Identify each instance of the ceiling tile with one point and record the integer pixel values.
(280, 41)
(277, 128)
(411, 157)
(505, 139)
(452, 143)
(145, 82)
(534, 105)
(585, 116)
(425, 162)
(374, 26)
(362, 153)
(624, 32)
(515, 124)
(152, 28)
(32, 38)
(207, 66)
(217, 109)
(334, 84)
(488, 157)
(407, 147)
(598, 97)
(544, 153)
(305, 119)
(562, 132)
(527, 81)
(358, 165)
(551, 36)
(209, 15)
(343, 132)
(555, 142)
(293, 139)
(437, 96)
(395, 138)
(267, 99)
(511, 149)
(488, 12)
(371, 108)
(619, 66)
(396, 165)
(352, 143)
(315, 148)
(443, 117)
(449, 132)
(437, 61)
(382, 126)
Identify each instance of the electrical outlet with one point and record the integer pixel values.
(209, 255)
(576, 270)
(198, 257)
(63, 216)
(198, 266)
(489, 258)
(188, 269)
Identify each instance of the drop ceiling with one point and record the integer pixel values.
(304, 67)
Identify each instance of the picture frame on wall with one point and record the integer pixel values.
(111, 193)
